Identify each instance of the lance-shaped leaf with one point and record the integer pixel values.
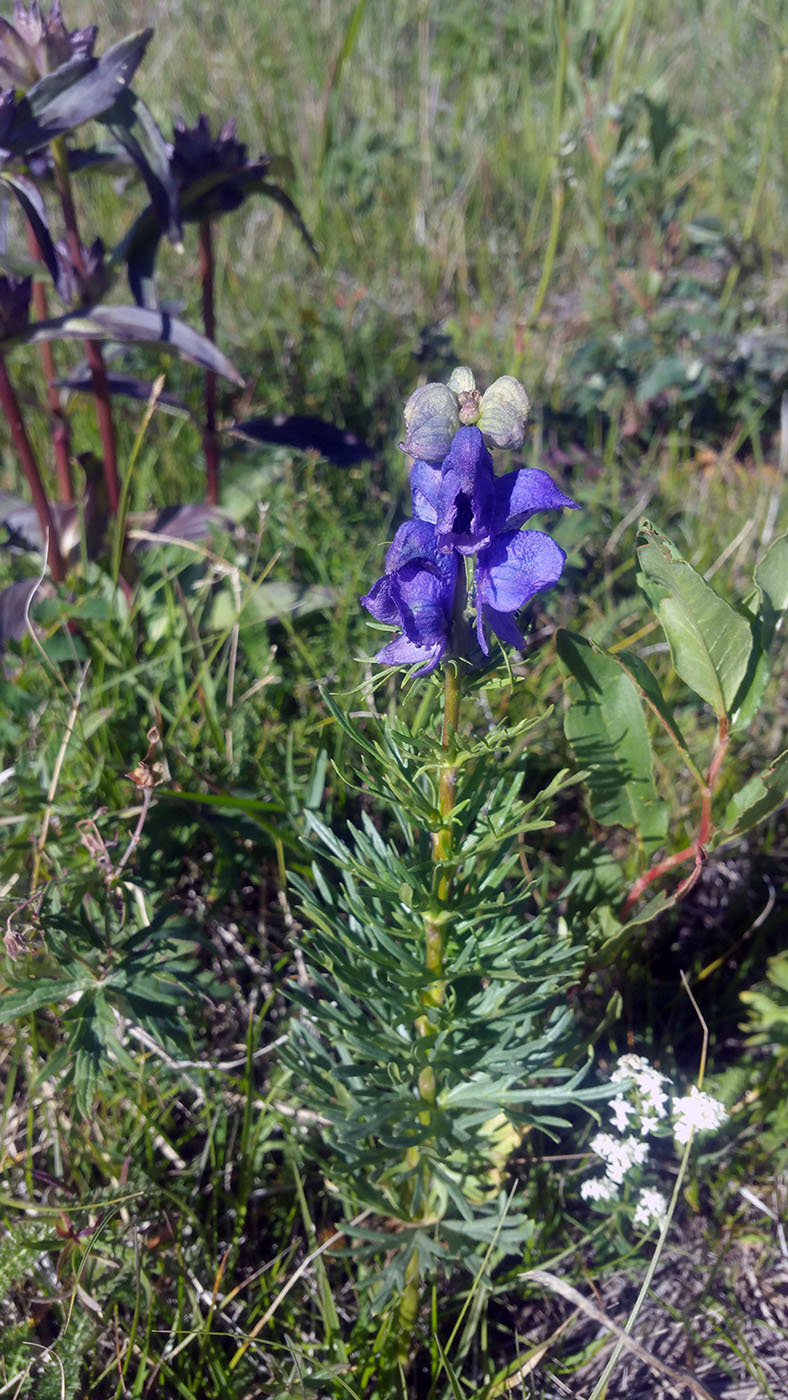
(75, 93)
(606, 727)
(771, 576)
(710, 643)
(126, 386)
(132, 324)
(307, 434)
(652, 696)
(207, 197)
(35, 212)
(133, 126)
(756, 801)
(766, 605)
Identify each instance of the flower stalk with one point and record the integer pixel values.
(209, 437)
(24, 450)
(60, 430)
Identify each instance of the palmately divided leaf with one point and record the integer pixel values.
(710, 643)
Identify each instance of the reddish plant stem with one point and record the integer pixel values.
(60, 432)
(93, 354)
(697, 849)
(13, 413)
(210, 440)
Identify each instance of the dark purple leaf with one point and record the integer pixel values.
(36, 215)
(306, 434)
(15, 603)
(126, 386)
(131, 123)
(75, 93)
(189, 523)
(134, 325)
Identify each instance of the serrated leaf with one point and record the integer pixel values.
(78, 91)
(756, 801)
(607, 730)
(710, 643)
(44, 991)
(133, 325)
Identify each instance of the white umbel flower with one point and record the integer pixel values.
(651, 1209)
(619, 1154)
(698, 1112)
(597, 1188)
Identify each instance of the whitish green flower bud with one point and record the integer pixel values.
(504, 411)
(431, 420)
(461, 381)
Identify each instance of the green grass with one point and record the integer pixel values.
(485, 185)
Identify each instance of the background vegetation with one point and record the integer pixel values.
(591, 197)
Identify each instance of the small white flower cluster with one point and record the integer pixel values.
(642, 1107)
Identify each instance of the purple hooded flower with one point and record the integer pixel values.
(416, 593)
(518, 564)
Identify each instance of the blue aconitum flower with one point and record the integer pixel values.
(461, 508)
(518, 564)
(468, 504)
(417, 594)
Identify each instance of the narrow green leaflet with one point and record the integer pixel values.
(752, 803)
(606, 727)
(710, 644)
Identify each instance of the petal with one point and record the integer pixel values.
(424, 602)
(431, 420)
(504, 410)
(401, 652)
(415, 539)
(465, 512)
(515, 567)
(518, 495)
(380, 603)
(425, 485)
(504, 627)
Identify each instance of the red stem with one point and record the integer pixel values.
(93, 353)
(60, 432)
(210, 438)
(705, 829)
(13, 413)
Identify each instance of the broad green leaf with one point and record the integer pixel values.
(752, 803)
(75, 93)
(710, 643)
(607, 730)
(135, 325)
(650, 692)
(766, 605)
(771, 576)
(668, 373)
